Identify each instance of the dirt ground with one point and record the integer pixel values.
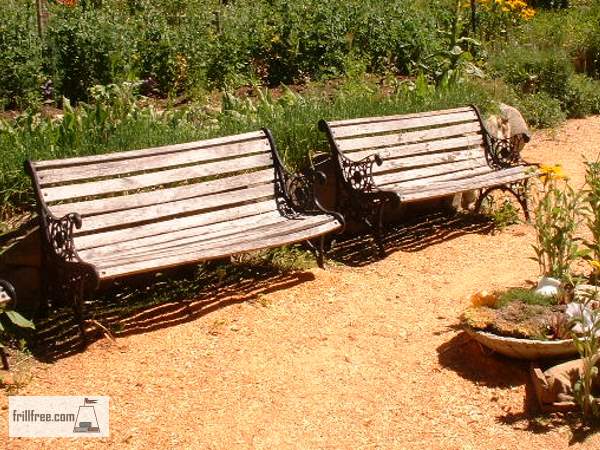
(362, 355)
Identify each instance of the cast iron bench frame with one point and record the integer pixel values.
(360, 198)
(291, 213)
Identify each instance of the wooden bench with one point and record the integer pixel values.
(114, 215)
(400, 159)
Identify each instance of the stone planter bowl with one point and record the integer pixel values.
(528, 349)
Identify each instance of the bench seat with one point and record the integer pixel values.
(466, 182)
(185, 246)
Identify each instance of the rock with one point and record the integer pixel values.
(585, 292)
(516, 122)
(554, 386)
(548, 287)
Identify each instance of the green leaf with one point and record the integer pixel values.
(19, 320)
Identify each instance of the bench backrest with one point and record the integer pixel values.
(198, 183)
(415, 148)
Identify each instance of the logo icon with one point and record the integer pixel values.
(86, 420)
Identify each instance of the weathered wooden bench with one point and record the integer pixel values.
(400, 159)
(114, 215)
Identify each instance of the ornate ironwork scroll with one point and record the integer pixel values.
(359, 174)
(296, 192)
(503, 153)
(60, 235)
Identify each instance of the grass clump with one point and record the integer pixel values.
(525, 296)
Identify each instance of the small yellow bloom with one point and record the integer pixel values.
(552, 173)
(483, 298)
(595, 264)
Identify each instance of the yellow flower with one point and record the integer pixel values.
(551, 173)
(595, 264)
(483, 298)
(527, 13)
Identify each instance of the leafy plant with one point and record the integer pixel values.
(454, 60)
(592, 200)
(555, 223)
(540, 110)
(9, 319)
(587, 342)
(503, 214)
(21, 61)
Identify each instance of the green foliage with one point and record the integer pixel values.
(186, 45)
(588, 346)
(21, 60)
(88, 47)
(582, 96)
(556, 220)
(523, 295)
(504, 214)
(10, 322)
(540, 110)
(535, 70)
(592, 204)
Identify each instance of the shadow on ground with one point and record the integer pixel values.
(145, 305)
(475, 363)
(409, 236)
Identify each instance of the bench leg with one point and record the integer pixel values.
(77, 298)
(375, 223)
(318, 248)
(321, 252)
(518, 189)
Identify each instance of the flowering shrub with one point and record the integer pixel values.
(497, 16)
(556, 220)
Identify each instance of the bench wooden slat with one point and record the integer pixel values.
(365, 120)
(202, 231)
(125, 202)
(131, 154)
(166, 226)
(156, 178)
(412, 137)
(210, 240)
(427, 160)
(442, 189)
(422, 148)
(142, 164)
(162, 262)
(393, 180)
(428, 179)
(188, 206)
(399, 125)
(379, 143)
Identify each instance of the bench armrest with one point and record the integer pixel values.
(59, 235)
(503, 153)
(8, 295)
(299, 193)
(358, 175)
